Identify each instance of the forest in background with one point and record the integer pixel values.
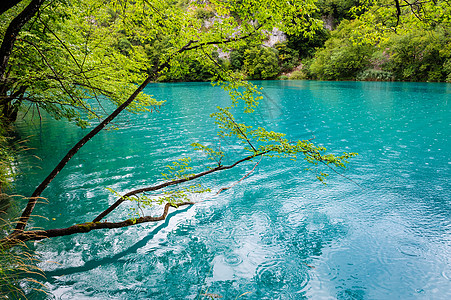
(359, 40)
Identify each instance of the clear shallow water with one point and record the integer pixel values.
(279, 234)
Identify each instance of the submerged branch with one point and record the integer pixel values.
(35, 235)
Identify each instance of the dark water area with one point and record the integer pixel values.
(381, 232)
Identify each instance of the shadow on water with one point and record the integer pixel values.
(89, 265)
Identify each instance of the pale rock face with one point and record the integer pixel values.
(223, 55)
(274, 37)
(329, 22)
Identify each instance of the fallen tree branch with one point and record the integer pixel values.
(35, 235)
(32, 202)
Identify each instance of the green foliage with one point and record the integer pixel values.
(261, 142)
(298, 75)
(345, 54)
(179, 169)
(383, 15)
(381, 44)
(288, 57)
(375, 75)
(242, 91)
(199, 64)
(283, 77)
(261, 62)
(418, 55)
(68, 58)
(189, 68)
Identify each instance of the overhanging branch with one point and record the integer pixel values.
(170, 183)
(38, 191)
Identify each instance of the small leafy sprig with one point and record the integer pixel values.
(261, 142)
(179, 169)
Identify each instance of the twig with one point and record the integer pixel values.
(242, 178)
(171, 183)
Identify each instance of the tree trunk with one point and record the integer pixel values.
(6, 5)
(13, 30)
(9, 112)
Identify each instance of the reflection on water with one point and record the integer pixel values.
(279, 234)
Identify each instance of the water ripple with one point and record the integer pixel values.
(279, 233)
(411, 249)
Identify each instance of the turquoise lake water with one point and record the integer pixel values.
(383, 232)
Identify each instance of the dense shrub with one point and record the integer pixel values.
(261, 62)
(418, 55)
(288, 57)
(298, 75)
(375, 75)
(342, 57)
